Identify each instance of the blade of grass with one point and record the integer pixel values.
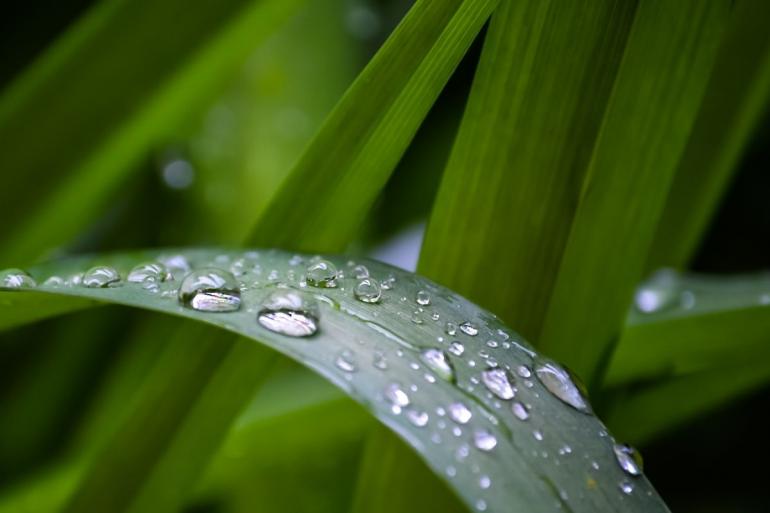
(350, 159)
(719, 320)
(660, 84)
(523, 480)
(534, 112)
(736, 98)
(123, 103)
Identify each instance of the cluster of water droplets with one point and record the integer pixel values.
(484, 400)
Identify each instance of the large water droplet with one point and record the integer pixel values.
(629, 459)
(360, 272)
(148, 271)
(16, 279)
(322, 273)
(100, 276)
(460, 413)
(423, 298)
(499, 381)
(289, 312)
(484, 440)
(368, 290)
(469, 329)
(560, 383)
(438, 361)
(210, 290)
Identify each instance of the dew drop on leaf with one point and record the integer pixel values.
(499, 381)
(484, 440)
(451, 329)
(100, 276)
(396, 396)
(560, 383)
(626, 487)
(210, 290)
(148, 271)
(469, 329)
(629, 459)
(456, 348)
(176, 263)
(417, 417)
(360, 272)
(658, 293)
(322, 274)
(423, 298)
(438, 361)
(345, 362)
(367, 290)
(460, 413)
(289, 312)
(519, 410)
(16, 279)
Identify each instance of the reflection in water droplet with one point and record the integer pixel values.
(148, 271)
(469, 329)
(460, 413)
(484, 440)
(15, 279)
(290, 312)
(418, 418)
(322, 273)
(438, 361)
(519, 410)
(345, 362)
(397, 397)
(629, 459)
(423, 298)
(560, 383)
(626, 487)
(100, 276)
(499, 381)
(210, 290)
(367, 290)
(456, 348)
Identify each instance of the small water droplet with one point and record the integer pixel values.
(560, 383)
(658, 292)
(360, 272)
(484, 440)
(54, 281)
(519, 410)
(16, 279)
(322, 274)
(367, 290)
(345, 361)
(626, 487)
(438, 361)
(389, 282)
(451, 329)
(629, 459)
(418, 418)
(100, 276)
(499, 381)
(176, 263)
(469, 329)
(423, 298)
(148, 271)
(485, 482)
(397, 397)
(460, 413)
(524, 371)
(210, 290)
(538, 435)
(456, 348)
(481, 505)
(379, 361)
(290, 312)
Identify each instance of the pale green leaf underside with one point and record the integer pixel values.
(572, 468)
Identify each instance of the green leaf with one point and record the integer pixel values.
(736, 97)
(655, 98)
(364, 335)
(350, 159)
(536, 105)
(123, 104)
(697, 323)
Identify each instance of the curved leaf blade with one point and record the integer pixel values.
(522, 465)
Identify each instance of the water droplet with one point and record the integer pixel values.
(344, 361)
(538, 435)
(210, 290)
(481, 505)
(560, 383)
(54, 281)
(629, 459)
(397, 397)
(460, 413)
(456, 348)
(367, 290)
(484, 440)
(176, 263)
(15, 279)
(379, 361)
(519, 410)
(360, 272)
(322, 273)
(524, 371)
(438, 361)
(423, 298)
(499, 381)
(389, 282)
(100, 276)
(148, 271)
(485, 482)
(658, 292)
(626, 487)
(418, 418)
(469, 329)
(242, 266)
(451, 329)
(289, 312)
